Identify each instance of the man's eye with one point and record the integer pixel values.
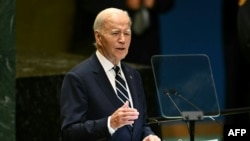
(115, 33)
(127, 33)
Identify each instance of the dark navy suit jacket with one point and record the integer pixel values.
(87, 99)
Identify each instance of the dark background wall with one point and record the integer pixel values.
(195, 27)
(211, 27)
(43, 26)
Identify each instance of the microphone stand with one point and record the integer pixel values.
(191, 117)
(191, 129)
(188, 116)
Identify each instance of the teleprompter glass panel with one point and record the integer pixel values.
(184, 83)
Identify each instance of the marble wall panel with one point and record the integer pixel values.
(7, 70)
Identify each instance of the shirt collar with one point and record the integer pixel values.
(106, 64)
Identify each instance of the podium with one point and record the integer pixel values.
(185, 88)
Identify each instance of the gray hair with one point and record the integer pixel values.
(103, 15)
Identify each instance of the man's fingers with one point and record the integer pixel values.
(126, 104)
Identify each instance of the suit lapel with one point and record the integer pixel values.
(104, 83)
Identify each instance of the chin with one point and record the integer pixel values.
(123, 57)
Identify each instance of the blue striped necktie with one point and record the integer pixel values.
(121, 90)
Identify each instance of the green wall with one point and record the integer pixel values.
(7, 70)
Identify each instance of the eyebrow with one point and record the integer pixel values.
(118, 30)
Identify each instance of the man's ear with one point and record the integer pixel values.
(98, 37)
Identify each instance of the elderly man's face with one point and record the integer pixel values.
(115, 38)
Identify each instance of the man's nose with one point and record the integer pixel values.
(122, 38)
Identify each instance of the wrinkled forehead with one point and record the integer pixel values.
(115, 20)
(120, 17)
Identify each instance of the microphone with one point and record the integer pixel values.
(186, 115)
(172, 91)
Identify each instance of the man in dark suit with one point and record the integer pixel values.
(90, 108)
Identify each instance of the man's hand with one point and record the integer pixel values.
(152, 138)
(123, 116)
